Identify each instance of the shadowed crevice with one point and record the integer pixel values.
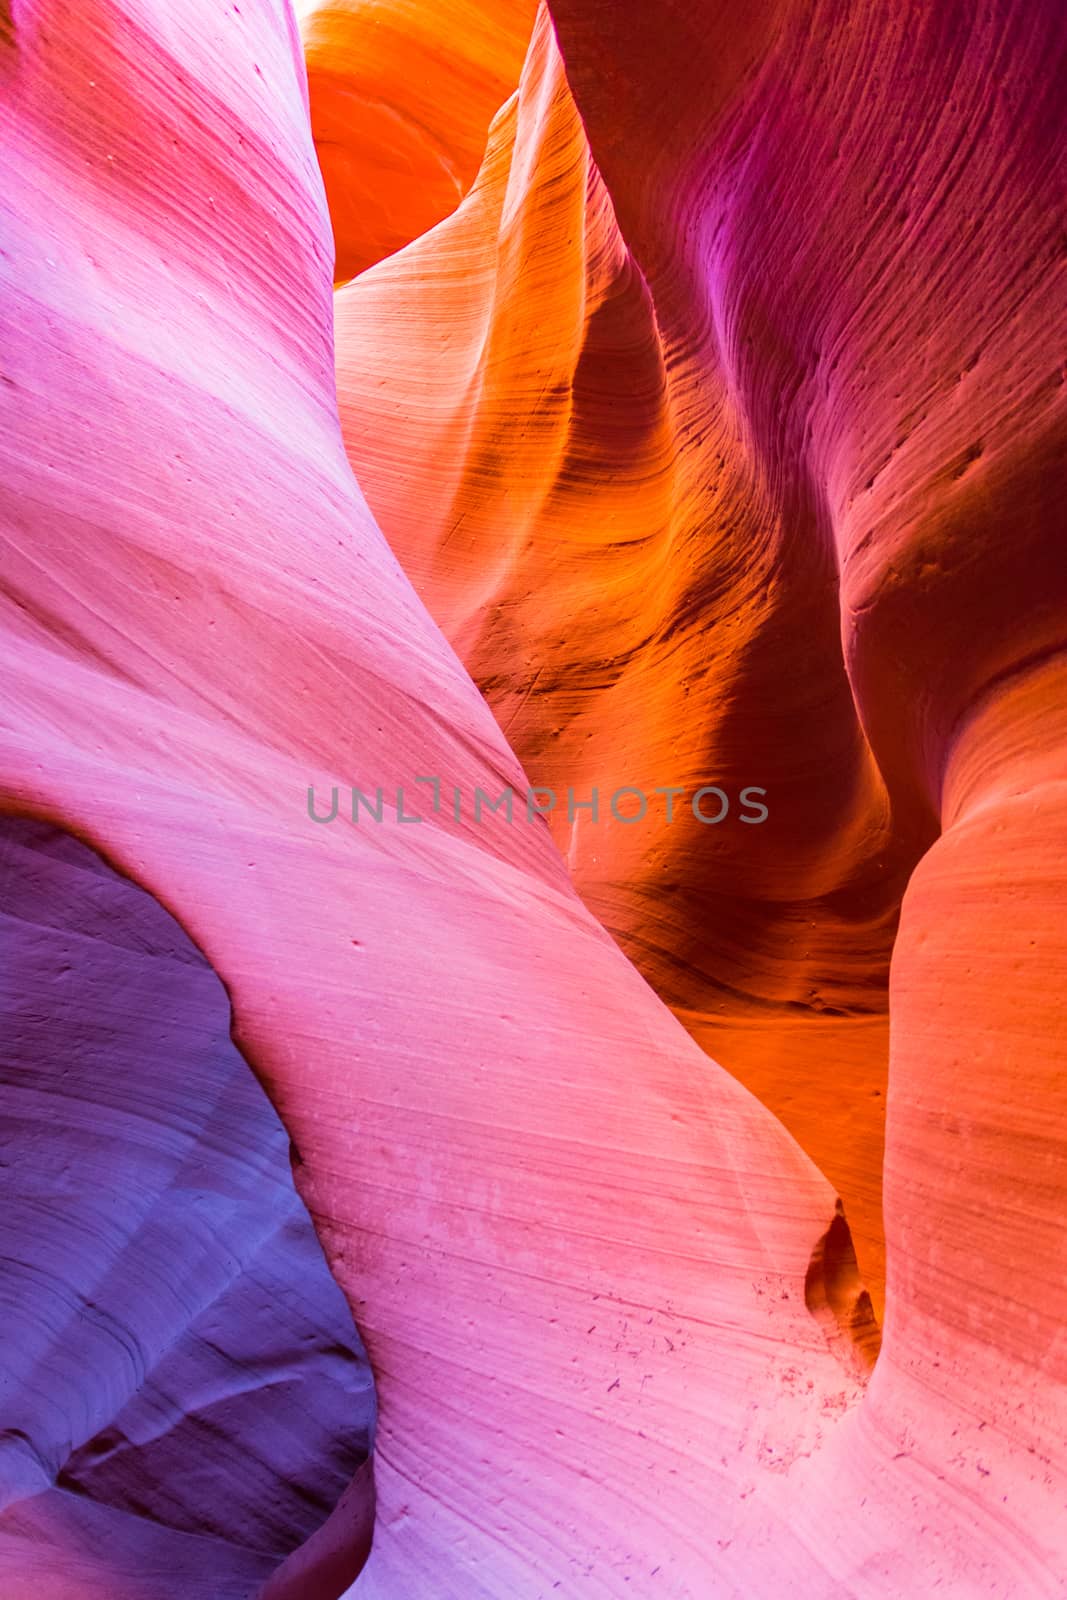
(837, 1298)
(181, 1382)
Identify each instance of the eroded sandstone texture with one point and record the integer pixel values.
(714, 437)
(180, 1382)
(651, 479)
(402, 95)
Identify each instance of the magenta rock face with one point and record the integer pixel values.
(179, 1374)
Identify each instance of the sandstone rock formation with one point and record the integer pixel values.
(181, 1383)
(646, 476)
(402, 94)
(717, 431)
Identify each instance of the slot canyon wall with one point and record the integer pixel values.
(182, 1386)
(689, 411)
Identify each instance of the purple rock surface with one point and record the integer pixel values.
(176, 1362)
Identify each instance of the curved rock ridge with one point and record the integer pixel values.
(402, 94)
(180, 1376)
(644, 604)
(577, 1249)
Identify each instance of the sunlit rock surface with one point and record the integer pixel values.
(613, 1309)
(402, 95)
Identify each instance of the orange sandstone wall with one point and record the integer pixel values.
(402, 94)
(646, 599)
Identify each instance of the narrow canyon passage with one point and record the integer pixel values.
(555, 443)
